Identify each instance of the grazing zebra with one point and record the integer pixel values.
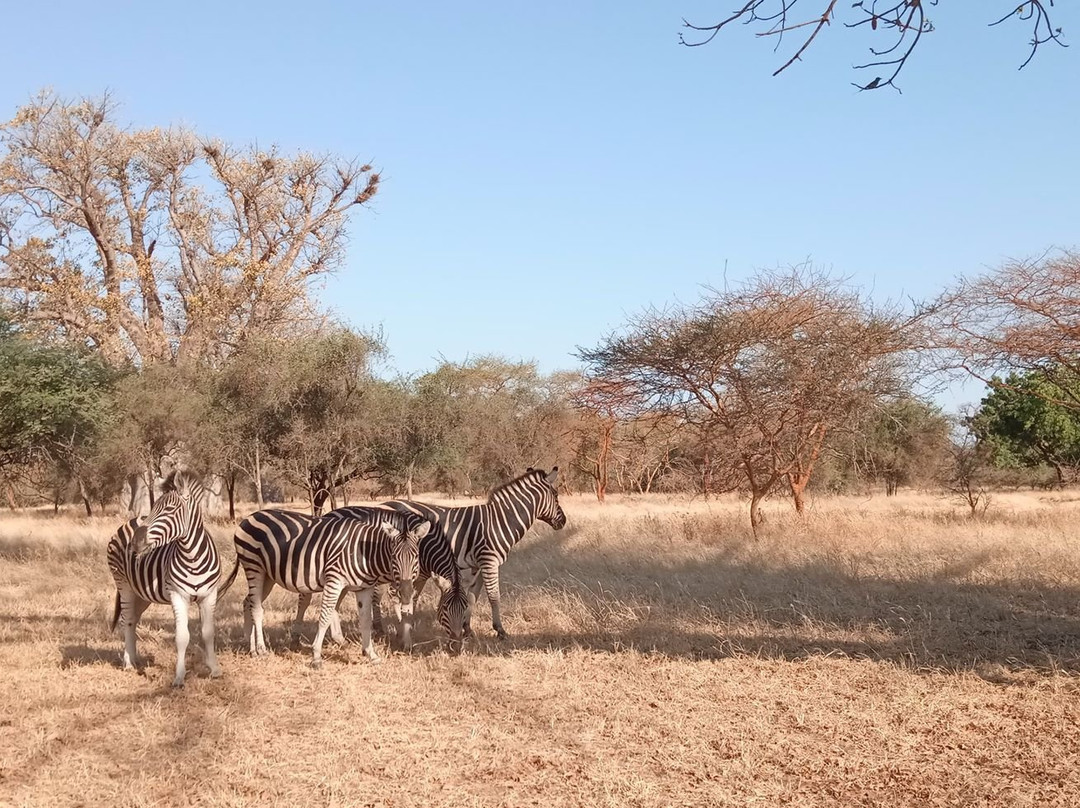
(292, 550)
(371, 553)
(436, 561)
(481, 536)
(169, 558)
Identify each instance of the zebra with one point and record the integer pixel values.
(481, 536)
(167, 558)
(292, 550)
(371, 552)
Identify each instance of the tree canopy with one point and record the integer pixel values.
(765, 372)
(160, 244)
(1023, 425)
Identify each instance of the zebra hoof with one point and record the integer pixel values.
(316, 664)
(501, 634)
(215, 674)
(177, 684)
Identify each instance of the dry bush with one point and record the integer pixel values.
(877, 652)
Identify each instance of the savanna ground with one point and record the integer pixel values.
(880, 652)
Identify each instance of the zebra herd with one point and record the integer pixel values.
(169, 557)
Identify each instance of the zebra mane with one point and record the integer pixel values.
(495, 492)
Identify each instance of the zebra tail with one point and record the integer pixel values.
(228, 581)
(116, 613)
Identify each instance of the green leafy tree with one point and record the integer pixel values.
(903, 442)
(54, 404)
(1025, 426)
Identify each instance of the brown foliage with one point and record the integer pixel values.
(765, 370)
(156, 244)
(1023, 317)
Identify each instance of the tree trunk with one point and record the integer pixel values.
(149, 482)
(84, 495)
(258, 476)
(603, 455)
(230, 486)
(409, 481)
(706, 476)
(756, 516)
(798, 490)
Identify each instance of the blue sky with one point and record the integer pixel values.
(550, 168)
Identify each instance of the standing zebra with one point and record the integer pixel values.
(293, 550)
(481, 536)
(168, 559)
(371, 553)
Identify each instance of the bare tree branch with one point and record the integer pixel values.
(904, 20)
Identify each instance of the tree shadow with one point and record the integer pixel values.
(78, 656)
(734, 601)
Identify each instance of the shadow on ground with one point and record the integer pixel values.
(727, 601)
(728, 604)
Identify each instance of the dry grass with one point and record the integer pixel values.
(883, 652)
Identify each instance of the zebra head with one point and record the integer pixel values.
(453, 606)
(177, 512)
(548, 508)
(405, 545)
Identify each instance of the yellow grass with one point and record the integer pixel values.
(882, 652)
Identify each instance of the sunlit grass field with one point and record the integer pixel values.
(878, 652)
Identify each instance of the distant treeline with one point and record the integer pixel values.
(155, 302)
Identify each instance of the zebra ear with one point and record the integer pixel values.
(389, 529)
(421, 530)
(552, 476)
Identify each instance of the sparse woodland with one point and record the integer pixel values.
(156, 291)
(787, 575)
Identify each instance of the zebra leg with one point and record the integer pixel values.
(469, 579)
(180, 611)
(207, 604)
(255, 595)
(302, 604)
(131, 609)
(418, 587)
(327, 608)
(366, 597)
(265, 586)
(376, 609)
(490, 574)
(335, 621)
(404, 608)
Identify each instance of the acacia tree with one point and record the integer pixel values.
(326, 413)
(158, 244)
(599, 404)
(766, 370)
(1022, 318)
(899, 24)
